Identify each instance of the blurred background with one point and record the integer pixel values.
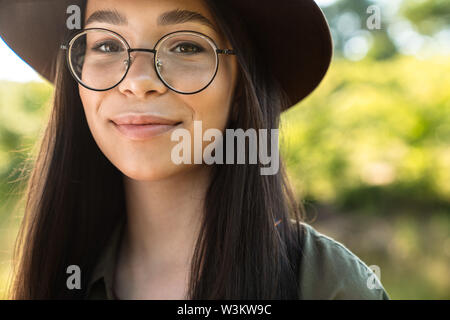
(368, 152)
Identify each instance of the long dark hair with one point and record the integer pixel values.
(75, 197)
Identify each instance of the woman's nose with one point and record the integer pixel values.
(141, 79)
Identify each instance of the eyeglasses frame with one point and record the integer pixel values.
(67, 45)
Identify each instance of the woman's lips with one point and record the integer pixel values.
(144, 131)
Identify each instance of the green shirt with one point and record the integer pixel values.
(329, 270)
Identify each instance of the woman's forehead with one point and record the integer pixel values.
(153, 14)
(149, 11)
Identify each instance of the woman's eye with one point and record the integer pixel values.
(108, 47)
(188, 48)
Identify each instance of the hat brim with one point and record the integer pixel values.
(293, 37)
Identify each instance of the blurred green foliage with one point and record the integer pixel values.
(429, 16)
(374, 134)
(404, 24)
(22, 111)
(23, 108)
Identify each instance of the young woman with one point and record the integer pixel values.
(106, 200)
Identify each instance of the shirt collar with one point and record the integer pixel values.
(104, 268)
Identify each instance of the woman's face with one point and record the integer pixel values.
(142, 92)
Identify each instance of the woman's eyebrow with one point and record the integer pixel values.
(107, 16)
(182, 16)
(172, 17)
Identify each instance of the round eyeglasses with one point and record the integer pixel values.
(185, 61)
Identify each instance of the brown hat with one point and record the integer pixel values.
(293, 36)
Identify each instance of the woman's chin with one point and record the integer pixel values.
(152, 171)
